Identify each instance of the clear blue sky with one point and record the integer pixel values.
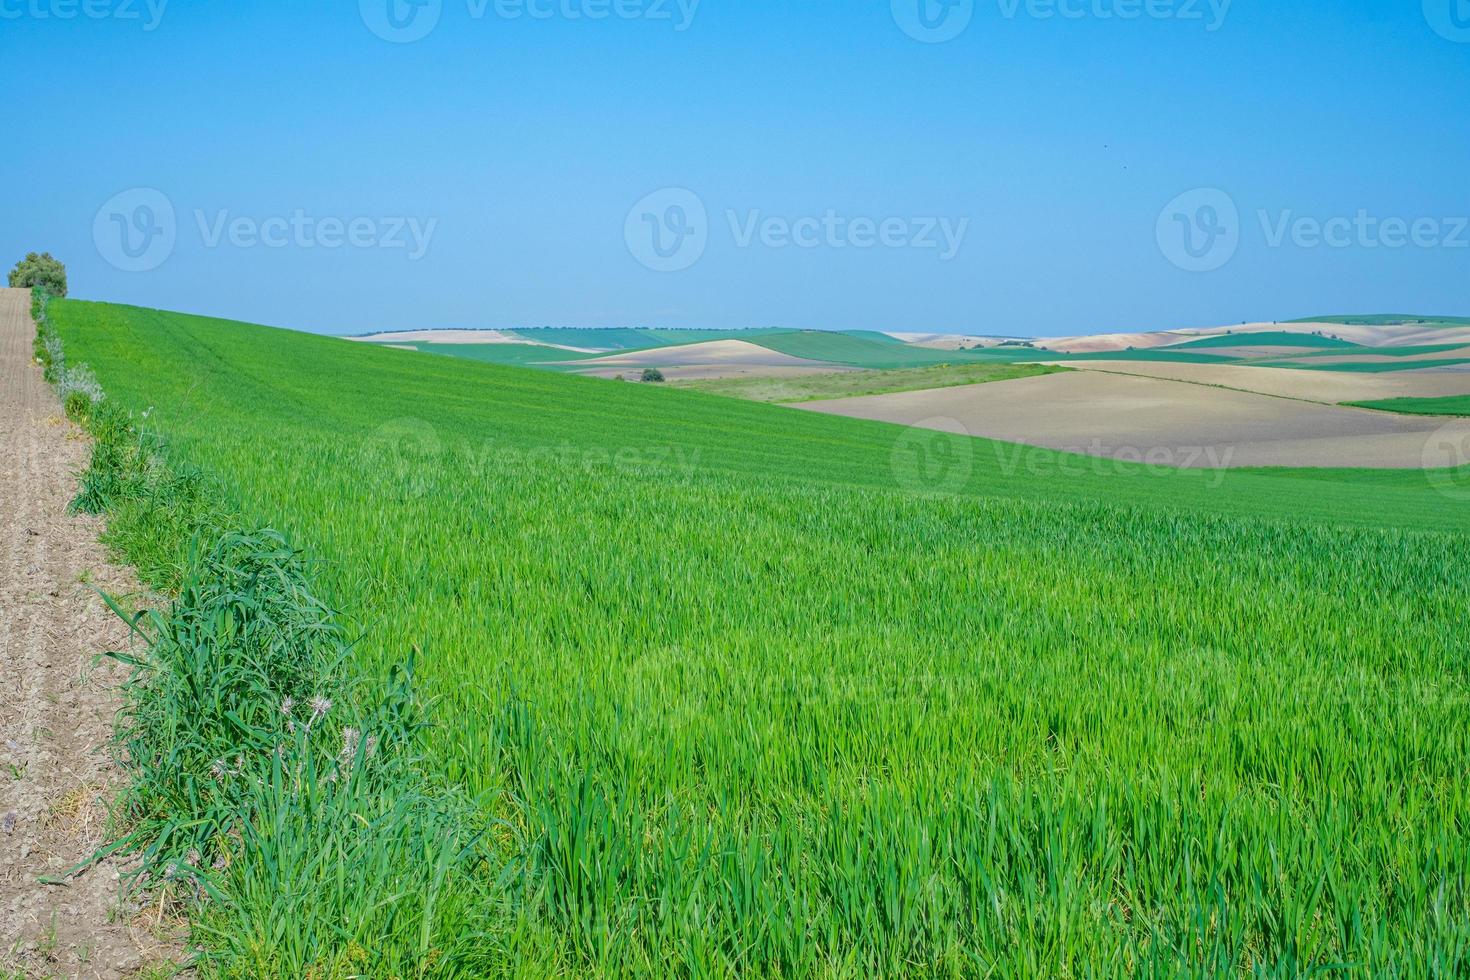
(520, 145)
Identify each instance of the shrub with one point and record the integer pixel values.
(652, 376)
(39, 270)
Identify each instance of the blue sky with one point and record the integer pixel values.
(1056, 166)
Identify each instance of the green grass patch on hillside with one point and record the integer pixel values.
(1412, 351)
(1264, 339)
(520, 355)
(870, 352)
(1366, 367)
(851, 384)
(1159, 354)
(759, 692)
(1451, 405)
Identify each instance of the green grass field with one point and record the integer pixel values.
(850, 384)
(1452, 405)
(878, 351)
(520, 355)
(760, 692)
(1264, 339)
(1367, 367)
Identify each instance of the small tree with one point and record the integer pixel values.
(39, 270)
(652, 376)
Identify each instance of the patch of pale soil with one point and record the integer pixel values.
(462, 337)
(1408, 335)
(710, 359)
(1107, 342)
(1327, 387)
(945, 341)
(57, 702)
(1164, 422)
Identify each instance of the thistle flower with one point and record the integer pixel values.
(319, 708)
(350, 739)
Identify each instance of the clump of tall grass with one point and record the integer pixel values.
(77, 387)
(272, 789)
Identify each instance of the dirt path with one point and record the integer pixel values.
(56, 706)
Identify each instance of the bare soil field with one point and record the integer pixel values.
(1159, 421)
(56, 701)
(1368, 336)
(1327, 387)
(705, 361)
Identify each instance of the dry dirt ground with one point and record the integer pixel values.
(1164, 422)
(1369, 336)
(56, 701)
(710, 359)
(1327, 387)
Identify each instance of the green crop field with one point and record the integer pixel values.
(1265, 339)
(850, 384)
(758, 692)
(1367, 367)
(1390, 320)
(867, 351)
(1452, 405)
(524, 355)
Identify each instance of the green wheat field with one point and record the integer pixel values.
(732, 690)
